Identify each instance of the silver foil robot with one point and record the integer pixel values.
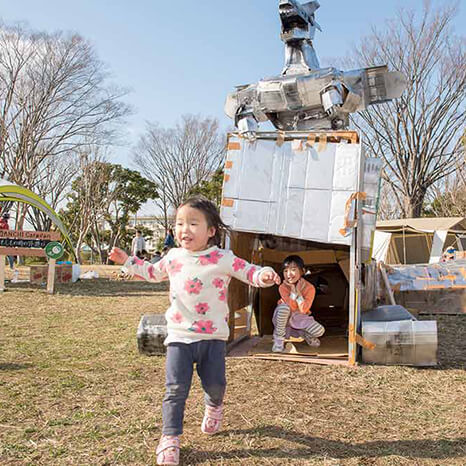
(306, 97)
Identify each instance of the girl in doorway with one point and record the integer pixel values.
(291, 316)
(197, 319)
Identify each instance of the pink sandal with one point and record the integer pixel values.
(168, 450)
(213, 417)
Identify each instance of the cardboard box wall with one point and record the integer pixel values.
(38, 273)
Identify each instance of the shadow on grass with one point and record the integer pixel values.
(317, 447)
(99, 287)
(11, 366)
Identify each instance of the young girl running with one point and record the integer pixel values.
(197, 319)
(291, 316)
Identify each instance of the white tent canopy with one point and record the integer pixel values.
(417, 240)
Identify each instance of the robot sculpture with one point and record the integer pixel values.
(306, 97)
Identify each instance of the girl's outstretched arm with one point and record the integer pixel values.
(251, 274)
(151, 272)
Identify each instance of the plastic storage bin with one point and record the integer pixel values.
(401, 342)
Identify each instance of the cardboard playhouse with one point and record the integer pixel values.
(300, 193)
(314, 195)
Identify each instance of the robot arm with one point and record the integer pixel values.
(247, 126)
(332, 97)
(245, 115)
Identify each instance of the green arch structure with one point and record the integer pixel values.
(15, 193)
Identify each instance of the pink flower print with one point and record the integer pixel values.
(250, 274)
(150, 271)
(238, 264)
(136, 261)
(211, 258)
(193, 286)
(177, 318)
(174, 267)
(203, 326)
(218, 282)
(222, 295)
(202, 308)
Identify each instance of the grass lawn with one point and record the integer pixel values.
(75, 391)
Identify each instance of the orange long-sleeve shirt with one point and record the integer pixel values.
(306, 294)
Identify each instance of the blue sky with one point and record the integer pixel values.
(183, 56)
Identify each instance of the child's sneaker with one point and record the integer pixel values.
(213, 418)
(313, 341)
(278, 345)
(168, 450)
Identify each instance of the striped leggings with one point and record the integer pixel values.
(281, 316)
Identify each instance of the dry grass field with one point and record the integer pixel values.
(75, 391)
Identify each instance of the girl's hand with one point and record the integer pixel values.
(300, 286)
(118, 256)
(270, 277)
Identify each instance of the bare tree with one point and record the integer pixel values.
(448, 199)
(54, 99)
(418, 134)
(389, 206)
(177, 159)
(53, 183)
(88, 200)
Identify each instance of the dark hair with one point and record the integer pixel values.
(210, 211)
(292, 260)
(139, 231)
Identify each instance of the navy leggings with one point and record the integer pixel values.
(209, 356)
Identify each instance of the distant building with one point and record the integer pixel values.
(154, 223)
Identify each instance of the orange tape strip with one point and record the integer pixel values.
(322, 142)
(227, 202)
(354, 337)
(280, 138)
(364, 343)
(228, 164)
(346, 222)
(311, 139)
(234, 146)
(226, 178)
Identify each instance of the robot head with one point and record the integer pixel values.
(298, 21)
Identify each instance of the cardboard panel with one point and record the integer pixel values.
(251, 215)
(337, 217)
(257, 166)
(291, 213)
(319, 174)
(316, 215)
(297, 171)
(238, 293)
(303, 191)
(346, 167)
(38, 274)
(233, 170)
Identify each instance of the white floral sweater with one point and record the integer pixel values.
(198, 290)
